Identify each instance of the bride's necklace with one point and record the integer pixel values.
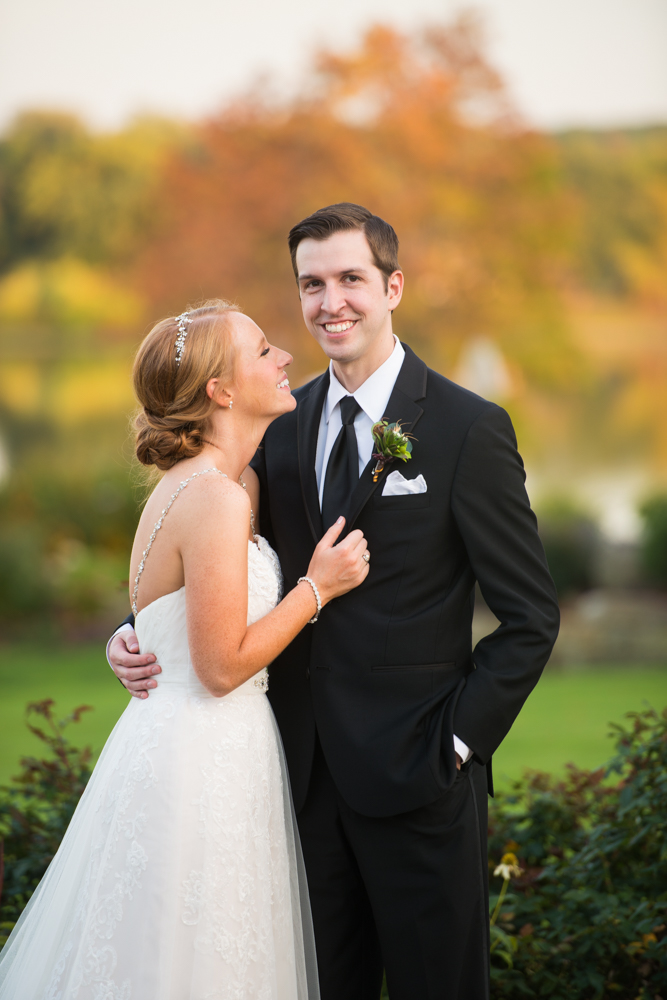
(252, 513)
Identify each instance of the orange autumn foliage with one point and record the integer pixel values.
(420, 130)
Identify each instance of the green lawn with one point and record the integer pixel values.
(72, 675)
(565, 719)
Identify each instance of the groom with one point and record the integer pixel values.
(388, 716)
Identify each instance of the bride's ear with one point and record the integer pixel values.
(215, 391)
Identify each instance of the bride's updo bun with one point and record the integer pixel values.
(175, 407)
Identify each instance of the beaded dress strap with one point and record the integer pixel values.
(157, 527)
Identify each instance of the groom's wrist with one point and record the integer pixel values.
(462, 749)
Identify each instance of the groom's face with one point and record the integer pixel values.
(345, 303)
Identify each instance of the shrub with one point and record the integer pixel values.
(570, 539)
(37, 807)
(64, 547)
(24, 584)
(586, 859)
(654, 540)
(587, 917)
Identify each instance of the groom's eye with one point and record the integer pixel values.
(265, 351)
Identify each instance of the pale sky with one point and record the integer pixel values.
(568, 62)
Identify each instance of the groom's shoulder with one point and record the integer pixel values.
(460, 404)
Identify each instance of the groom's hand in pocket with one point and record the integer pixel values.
(135, 671)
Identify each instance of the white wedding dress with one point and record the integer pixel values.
(180, 876)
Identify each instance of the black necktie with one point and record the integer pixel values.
(343, 467)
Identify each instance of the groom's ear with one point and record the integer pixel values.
(395, 285)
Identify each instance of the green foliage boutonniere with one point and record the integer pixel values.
(391, 442)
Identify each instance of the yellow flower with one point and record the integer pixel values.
(508, 867)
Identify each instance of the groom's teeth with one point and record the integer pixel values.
(284, 384)
(338, 327)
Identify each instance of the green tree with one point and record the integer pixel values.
(654, 540)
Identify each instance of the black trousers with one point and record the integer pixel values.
(406, 893)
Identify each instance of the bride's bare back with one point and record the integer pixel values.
(165, 572)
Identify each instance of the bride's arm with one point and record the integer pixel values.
(214, 547)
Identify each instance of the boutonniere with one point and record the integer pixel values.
(391, 442)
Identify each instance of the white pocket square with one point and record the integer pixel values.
(396, 485)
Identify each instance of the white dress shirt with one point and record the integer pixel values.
(373, 397)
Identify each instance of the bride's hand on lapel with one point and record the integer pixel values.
(337, 569)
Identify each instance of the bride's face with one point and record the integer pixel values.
(260, 387)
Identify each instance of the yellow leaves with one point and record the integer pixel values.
(639, 947)
(20, 387)
(67, 292)
(86, 390)
(19, 294)
(67, 393)
(625, 345)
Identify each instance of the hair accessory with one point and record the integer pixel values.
(182, 321)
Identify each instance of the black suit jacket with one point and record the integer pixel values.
(388, 673)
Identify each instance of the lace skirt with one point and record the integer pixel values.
(180, 876)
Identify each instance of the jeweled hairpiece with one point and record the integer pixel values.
(182, 322)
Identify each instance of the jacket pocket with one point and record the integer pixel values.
(415, 666)
(404, 501)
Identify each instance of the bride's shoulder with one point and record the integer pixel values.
(203, 492)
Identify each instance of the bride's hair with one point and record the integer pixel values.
(175, 407)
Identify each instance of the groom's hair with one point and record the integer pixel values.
(323, 223)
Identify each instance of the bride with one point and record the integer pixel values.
(180, 875)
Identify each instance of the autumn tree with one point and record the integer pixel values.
(419, 129)
(67, 192)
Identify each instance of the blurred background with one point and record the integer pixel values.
(154, 154)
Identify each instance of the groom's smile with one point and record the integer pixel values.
(343, 327)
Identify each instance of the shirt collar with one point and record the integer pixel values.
(373, 394)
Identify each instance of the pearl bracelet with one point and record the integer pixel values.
(306, 579)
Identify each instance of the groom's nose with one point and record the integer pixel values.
(333, 299)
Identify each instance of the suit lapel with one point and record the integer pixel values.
(410, 386)
(308, 414)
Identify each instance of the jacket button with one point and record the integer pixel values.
(307, 673)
